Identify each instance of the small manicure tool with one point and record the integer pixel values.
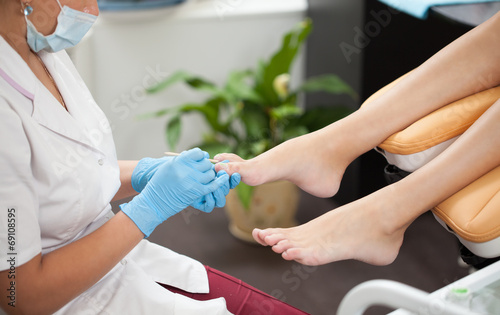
(176, 154)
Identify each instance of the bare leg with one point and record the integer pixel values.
(371, 229)
(316, 162)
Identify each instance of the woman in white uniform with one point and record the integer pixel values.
(61, 248)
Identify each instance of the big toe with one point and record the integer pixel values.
(256, 233)
(229, 157)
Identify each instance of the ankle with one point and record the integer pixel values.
(336, 142)
(394, 213)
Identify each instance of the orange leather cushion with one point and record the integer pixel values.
(443, 124)
(474, 212)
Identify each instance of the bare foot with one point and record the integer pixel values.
(355, 231)
(309, 162)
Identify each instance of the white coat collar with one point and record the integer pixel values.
(15, 67)
(47, 111)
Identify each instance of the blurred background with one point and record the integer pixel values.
(137, 44)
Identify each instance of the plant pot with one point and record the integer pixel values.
(272, 205)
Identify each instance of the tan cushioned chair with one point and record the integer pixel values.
(473, 213)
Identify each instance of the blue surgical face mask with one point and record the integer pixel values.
(72, 25)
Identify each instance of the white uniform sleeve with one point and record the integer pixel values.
(20, 239)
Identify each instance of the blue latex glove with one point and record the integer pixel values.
(147, 167)
(206, 203)
(176, 184)
(221, 193)
(218, 197)
(145, 170)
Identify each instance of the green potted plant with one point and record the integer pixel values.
(252, 112)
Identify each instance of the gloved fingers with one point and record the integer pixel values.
(225, 188)
(195, 154)
(199, 203)
(205, 203)
(202, 165)
(234, 180)
(209, 203)
(215, 184)
(235, 177)
(204, 177)
(220, 198)
(197, 158)
(221, 193)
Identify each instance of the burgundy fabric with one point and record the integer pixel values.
(241, 298)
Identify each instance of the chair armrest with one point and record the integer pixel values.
(395, 295)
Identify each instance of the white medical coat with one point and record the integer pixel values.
(58, 173)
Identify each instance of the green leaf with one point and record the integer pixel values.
(156, 114)
(173, 132)
(256, 122)
(215, 147)
(239, 87)
(260, 70)
(293, 131)
(285, 111)
(259, 147)
(209, 111)
(195, 82)
(178, 76)
(281, 61)
(234, 110)
(203, 85)
(329, 83)
(245, 193)
(243, 150)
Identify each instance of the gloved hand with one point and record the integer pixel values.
(147, 167)
(176, 184)
(218, 197)
(145, 170)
